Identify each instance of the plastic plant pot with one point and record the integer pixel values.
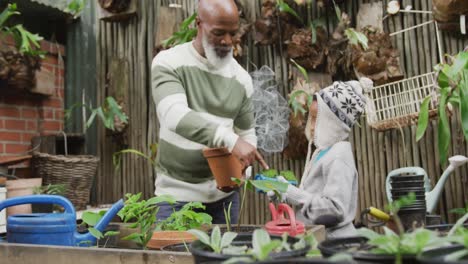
(224, 166)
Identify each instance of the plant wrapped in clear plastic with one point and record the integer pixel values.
(271, 112)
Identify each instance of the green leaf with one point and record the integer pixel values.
(284, 7)
(202, 236)
(266, 186)
(260, 238)
(460, 63)
(337, 11)
(95, 233)
(231, 251)
(302, 70)
(133, 237)
(227, 239)
(295, 105)
(216, 239)
(267, 249)
(9, 11)
(111, 233)
(456, 256)
(463, 88)
(443, 128)
(356, 38)
(91, 218)
(423, 119)
(271, 173)
(288, 175)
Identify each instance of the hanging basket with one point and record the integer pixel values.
(76, 172)
(397, 104)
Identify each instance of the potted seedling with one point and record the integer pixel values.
(108, 238)
(454, 253)
(173, 230)
(51, 189)
(390, 247)
(142, 216)
(245, 247)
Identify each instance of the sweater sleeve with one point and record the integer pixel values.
(174, 113)
(327, 208)
(244, 124)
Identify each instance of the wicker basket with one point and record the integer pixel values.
(397, 104)
(75, 172)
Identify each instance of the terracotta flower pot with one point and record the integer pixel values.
(161, 239)
(224, 166)
(21, 187)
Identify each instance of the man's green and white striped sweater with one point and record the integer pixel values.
(198, 106)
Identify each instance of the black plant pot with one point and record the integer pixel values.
(300, 260)
(357, 246)
(412, 217)
(405, 192)
(407, 177)
(202, 254)
(408, 184)
(436, 256)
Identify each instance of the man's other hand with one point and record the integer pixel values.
(247, 154)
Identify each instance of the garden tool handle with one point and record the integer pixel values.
(282, 208)
(379, 214)
(37, 199)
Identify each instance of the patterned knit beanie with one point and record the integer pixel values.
(339, 106)
(346, 100)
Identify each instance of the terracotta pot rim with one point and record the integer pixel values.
(215, 152)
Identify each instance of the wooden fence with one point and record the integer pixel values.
(130, 45)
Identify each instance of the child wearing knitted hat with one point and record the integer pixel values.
(328, 191)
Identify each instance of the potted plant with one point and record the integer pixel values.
(173, 230)
(51, 189)
(142, 216)
(452, 253)
(245, 247)
(18, 65)
(390, 247)
(107, 238)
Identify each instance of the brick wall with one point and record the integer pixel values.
(24, 115)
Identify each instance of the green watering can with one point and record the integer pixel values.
(432, 196)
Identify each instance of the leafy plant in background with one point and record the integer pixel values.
(26, 42)
(90, 219)
(458, 234)
(294, 102)
(117, 156)
(75, 7)
(51, 189)
(272, 173)
(186, 218)
(398, 245)
(143, 215)
(460, 211)
(185, 34)
(453, 84)
(109, 112)
(284, 7)
(354, 37)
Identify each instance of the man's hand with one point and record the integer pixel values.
(247, 154)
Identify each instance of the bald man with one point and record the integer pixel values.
(202, 96)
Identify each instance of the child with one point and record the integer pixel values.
(328, 191)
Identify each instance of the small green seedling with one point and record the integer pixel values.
(143, 215)
(91, 219)
(216, 242)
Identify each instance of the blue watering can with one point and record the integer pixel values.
(54, 228)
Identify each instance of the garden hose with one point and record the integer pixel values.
(382, 217)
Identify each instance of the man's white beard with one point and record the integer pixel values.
(212, 57)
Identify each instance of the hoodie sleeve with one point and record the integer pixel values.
(327, 208)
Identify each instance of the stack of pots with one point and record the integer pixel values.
(413, 215)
